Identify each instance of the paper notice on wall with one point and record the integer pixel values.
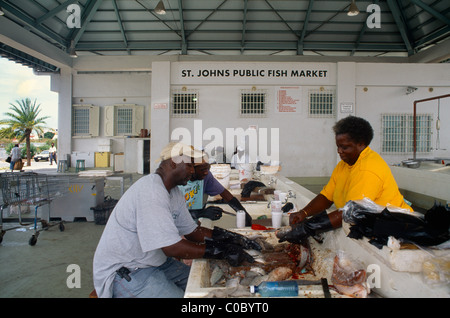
(288, 99)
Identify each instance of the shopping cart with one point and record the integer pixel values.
(29, 189)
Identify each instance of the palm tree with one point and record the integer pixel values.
(23, 119)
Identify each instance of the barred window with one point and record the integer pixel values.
(253, 103)
(124, 121)
(81, 121)
(398, 133)
(184, 103)
(85, 120)
(321, 103)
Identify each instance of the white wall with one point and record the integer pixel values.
(105, 90)
(306, 145)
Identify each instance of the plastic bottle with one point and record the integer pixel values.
(286, 288)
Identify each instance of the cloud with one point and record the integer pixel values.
(18, 82)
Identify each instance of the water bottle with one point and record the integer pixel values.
(288, 288)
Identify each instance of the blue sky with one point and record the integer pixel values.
(18, 82)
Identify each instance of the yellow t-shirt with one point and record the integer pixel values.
(370, 177)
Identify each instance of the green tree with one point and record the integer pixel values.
(23, 119)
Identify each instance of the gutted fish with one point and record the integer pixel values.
(349, 277)
(216, 275)
(280, 273)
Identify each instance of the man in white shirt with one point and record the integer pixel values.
(52, 153)
(136, 255)
(16, 155)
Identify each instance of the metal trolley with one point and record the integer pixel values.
(29, 189)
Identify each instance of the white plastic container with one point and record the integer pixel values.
(222, 173)
(240, 219)
(277, 216)
(275, 206)
(246, 171)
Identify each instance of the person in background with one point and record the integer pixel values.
(143, 238)
(16, 155)
(361, 173)
(52, 152)
(203, 184)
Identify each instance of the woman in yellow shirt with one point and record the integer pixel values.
(361, 173)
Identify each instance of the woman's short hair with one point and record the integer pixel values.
(357, 128)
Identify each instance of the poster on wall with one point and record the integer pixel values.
(288, 99)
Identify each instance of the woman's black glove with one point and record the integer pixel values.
(232, 253)
(313, 226)
(222, 235)
(236, 205)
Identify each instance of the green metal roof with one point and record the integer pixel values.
(234, 27)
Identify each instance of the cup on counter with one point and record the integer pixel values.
(277, 216)
(240, 219)
(275, 206)
(276, 195)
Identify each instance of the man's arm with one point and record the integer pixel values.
(191, 247)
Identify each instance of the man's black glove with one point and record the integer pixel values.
(313, 226)
(232, 253)
(222, 235)
(249, 186)
(211, 212)
(236, 205)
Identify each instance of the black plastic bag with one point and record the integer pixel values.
(366, 220)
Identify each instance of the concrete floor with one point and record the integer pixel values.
(43, 270)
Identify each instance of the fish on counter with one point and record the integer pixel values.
(348, 277)
(275, 262)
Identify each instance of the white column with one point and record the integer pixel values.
(62, 84)
(159, 110)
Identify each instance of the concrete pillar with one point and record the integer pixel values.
(159, 110)
(62, 84)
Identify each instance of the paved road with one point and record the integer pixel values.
(4, 166)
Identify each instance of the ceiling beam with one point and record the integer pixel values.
(401, 25)
(119, 20)
(281, 18)
(362, 31)
(305, 27)
(89, 12)
(19, 14)
(207, 18)
(432, 11)
(55, 11)
(184, 45)
(244, 26)
(236, 45)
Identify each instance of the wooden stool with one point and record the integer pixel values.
(62, 166)
(80, 165)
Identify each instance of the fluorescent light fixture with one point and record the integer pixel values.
(160, 9)
(353, 10)
(2, 12)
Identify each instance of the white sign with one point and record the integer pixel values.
(346, 107)
(253, 73)
(288, 99)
